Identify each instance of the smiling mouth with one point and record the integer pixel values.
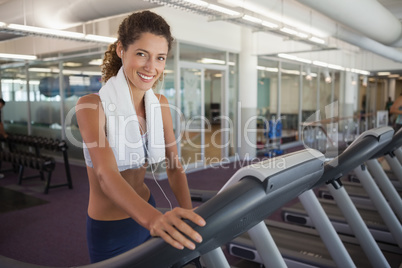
(146, 77)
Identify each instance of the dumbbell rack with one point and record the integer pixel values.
(35, 159)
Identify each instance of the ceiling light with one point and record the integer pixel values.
(383, 73)
(287, 56)
(288, 31)
(336, 67)
(197, 2)
(213, 7)
(393, 76)
(252, 19)
(269, 14)
(302, 35)
(269, 24)
(320, 63)
(308, 73)
(96, 62)
(66, 72)
(268, 69)
(223, 10)
(39, 30)
(292, 57)
(295, 72)
(31, 30)
(212, 61)
(41, 70)
(360, 71)
(72, 64)
(17, 56)
(99, 38)
(365, 81)
(328, 78)
(317, 40)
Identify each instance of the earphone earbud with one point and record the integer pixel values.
(121, 52)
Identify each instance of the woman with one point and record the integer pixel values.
(396, 109)
(121, 213)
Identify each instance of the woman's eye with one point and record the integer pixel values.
(161, 58)
(141, 54)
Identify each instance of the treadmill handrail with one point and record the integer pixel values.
(394, 144)
(381, 133)
(265, 169)
(367, 144)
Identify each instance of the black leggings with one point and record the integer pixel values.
(107, 239)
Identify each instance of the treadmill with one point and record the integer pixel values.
(367, 144)
(250, 196)
(296, 214)
(356, 192)
(393, 154)
(306, 249)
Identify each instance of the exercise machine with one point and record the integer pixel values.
(365, 146)
(253, 194)
(303, 247)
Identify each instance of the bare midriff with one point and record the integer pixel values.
(100, 207)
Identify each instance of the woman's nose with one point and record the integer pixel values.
(149, 65)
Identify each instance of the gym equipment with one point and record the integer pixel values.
(253, 193)
(306, 249)
(367, 144)
(296, 214)
(356, 192)
(398, 153)
(201, 195)
(381, 178)
(392, 159)
(20, 155)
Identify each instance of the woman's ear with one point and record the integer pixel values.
(119, 50)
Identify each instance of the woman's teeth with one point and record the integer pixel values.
(145, 77)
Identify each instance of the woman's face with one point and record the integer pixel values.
(144, 60)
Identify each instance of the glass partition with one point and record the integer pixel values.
(193, 53)
(233, 99)
(266, 98)
(289, 101)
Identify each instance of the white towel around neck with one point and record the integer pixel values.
(122, 125)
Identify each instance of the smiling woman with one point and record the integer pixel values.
(124, 128)
(144, 61)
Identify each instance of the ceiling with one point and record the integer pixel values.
(78, 13)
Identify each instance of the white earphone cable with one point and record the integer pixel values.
(142, 130)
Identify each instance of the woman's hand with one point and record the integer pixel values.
(171, 227)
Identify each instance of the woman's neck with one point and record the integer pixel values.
(138, 100)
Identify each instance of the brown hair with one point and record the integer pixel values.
(130, 30)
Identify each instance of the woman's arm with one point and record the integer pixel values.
(395, 108)
(176, 175)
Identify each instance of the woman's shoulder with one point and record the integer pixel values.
(162, 99)
(88, 103)
(89, 99)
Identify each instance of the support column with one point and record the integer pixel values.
(247, 96)
(62, 100)
(391, 89)
(29, 120)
